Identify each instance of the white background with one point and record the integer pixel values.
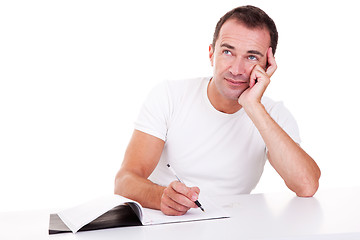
(73, 75)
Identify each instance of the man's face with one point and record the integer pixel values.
(237, 50)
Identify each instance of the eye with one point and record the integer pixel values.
(253, 58)
(227, 52)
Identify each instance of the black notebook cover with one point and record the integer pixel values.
(120, 216)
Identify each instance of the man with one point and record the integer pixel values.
(217, 132)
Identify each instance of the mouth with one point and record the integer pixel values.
(236, 83)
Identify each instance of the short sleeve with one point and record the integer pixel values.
(155, 112)
(286, 121)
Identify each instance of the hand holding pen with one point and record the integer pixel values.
(177, 198)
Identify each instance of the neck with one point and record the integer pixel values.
(221, 103)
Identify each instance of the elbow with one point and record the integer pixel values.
(116, 185)
(116, 188)
(308, 191)
(119, 182)
(309, 187)
(124, 183)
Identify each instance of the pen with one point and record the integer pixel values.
(196, 202)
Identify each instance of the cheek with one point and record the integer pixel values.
(263, 63)
(249, 67)
(222, 64)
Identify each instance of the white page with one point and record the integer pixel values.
(77, 217)
(212, 211)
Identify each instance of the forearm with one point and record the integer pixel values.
(299, 171)
(137, 188)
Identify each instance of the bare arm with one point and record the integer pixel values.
(299, 171)
(141, 158)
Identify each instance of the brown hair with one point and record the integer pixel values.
(252, 17)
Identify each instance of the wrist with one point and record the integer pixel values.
(253, 108)
(259, 116)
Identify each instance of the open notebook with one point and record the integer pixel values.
(116, 211)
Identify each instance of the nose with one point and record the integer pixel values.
(237, 67)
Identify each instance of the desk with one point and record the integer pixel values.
(331, 214)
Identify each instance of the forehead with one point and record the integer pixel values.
(238, 35)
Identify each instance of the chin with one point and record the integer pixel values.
(232, 95)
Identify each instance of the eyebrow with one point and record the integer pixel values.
(227, 46)
(255, 52)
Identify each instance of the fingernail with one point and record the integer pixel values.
(194, 197)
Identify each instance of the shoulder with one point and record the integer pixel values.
(283, 117)
(276, 109)
(186, 84)
(173, 92)
(175, 89)
(271, 105)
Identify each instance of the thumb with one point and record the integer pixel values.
(189, 192)
(194, 191)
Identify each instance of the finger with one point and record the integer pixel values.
(271, 63)
(176, 199)
(167, 200)
(181, 188)
(196, 189)
(257, 74)
(252, 77)
(167, 210)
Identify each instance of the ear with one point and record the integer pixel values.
(211, 54)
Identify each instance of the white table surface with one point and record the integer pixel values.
(330, 214)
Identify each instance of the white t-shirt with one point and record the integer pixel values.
(222, 154)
